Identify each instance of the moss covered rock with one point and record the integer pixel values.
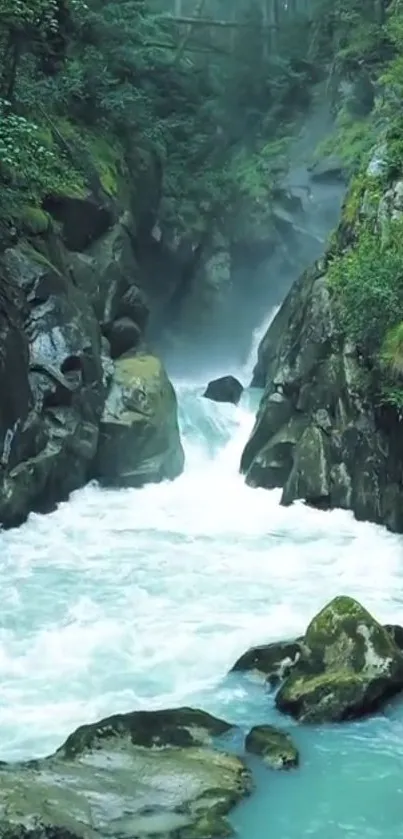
(273, 745)
(138, 775)
(350, 666)
(139, 435)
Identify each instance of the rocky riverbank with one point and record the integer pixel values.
(178, 773)
(328, 429)
(80, 387)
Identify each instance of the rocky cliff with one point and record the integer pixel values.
(82, 396)
(325, 431)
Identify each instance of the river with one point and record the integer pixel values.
(132, 599)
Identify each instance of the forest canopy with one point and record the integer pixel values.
(206, 94)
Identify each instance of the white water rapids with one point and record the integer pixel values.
(144, 598)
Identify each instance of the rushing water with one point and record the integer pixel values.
(144, 598)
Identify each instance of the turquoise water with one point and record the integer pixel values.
(145, 598)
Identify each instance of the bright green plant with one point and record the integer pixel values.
(367, 282)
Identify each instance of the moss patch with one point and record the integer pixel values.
(34, 220)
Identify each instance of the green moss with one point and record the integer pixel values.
(392, 350)
(105, 154)
(273, 745)
(351, 141)
(34, 220)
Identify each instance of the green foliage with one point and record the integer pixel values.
(392, 350)
(30, 167)
(367, 282)
(351, 140)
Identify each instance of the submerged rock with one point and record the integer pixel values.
(349, 667)
(139, 434)
(225, 389)
(272, 660)
(273, 745)
(136, 775)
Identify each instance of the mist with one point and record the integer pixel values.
(263, 268)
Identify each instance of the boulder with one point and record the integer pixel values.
(271, 660)
(123, 335)
(83, 218)
(139, 435)
(225, 389)
(139, 774)
(273, 745)
(349, 667)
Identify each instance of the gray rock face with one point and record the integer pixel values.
(64, 389)
(139, 435)
(225, 389)
(57, 368)
(317, 435)
(140, 775)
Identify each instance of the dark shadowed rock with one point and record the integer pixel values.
(225, 389)
(272, 660)
(123, 335)
(140, 775)
(349, 667)
(139, 435)
(133, 305)
(83, 219)
(273, 745)
(396, 632)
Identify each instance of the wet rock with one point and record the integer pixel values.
(64, 380)
(349, 667)
(273, 745)
(139, 435)
(225, 389)
(317, 435)
(140, 774)
(123, 335)
(396, 632)
(274, 661)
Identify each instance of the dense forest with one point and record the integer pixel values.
(93, 90)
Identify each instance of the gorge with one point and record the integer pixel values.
(169, 219)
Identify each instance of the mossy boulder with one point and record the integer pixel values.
(349, 667)
(139, 435)
(271, 660)
(273, 745)
(140, 774)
